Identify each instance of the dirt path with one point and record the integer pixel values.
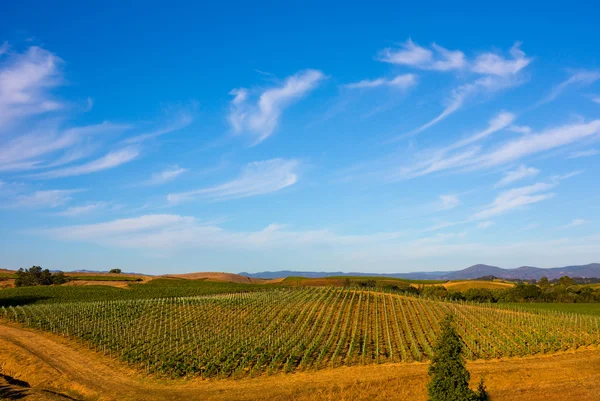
(42, 366)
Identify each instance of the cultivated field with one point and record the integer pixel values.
(42, 366)
(285, 330)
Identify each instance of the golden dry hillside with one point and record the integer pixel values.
(213, 276)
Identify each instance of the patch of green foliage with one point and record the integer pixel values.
(158, 288)
(388, 279)
(564, 291)
(36, 276)
(448, 371)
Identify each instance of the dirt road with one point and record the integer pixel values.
(41, 366)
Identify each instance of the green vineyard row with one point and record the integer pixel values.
(246, 334)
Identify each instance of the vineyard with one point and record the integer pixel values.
(252, 333)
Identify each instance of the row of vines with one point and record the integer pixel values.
(246, 334)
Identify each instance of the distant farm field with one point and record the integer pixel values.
(468, 284)
(242, 334)
(339, 281)
(157, 288)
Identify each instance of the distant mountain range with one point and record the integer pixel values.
(473, 272)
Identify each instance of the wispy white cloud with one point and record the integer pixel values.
(257, 178)
(456, 101)
(4, 48)
(515, 175)
(575, 223)
(261, 119)
(485, 224)
(43, 199)
(448, 202)
(173, 232)
(560, 177)
(584, 153)
(411, 54)
(577, 78)
(438, 164)
(500, 74)
(464, 92)
(507, 152)
(31, 150)
(166, 175)
(182, 119)
(535, 143)
(442, 225)
(515, 198)
(521, 129)
(495, 64)
(108, 161)
(127, 226)
(444, 159)
(166, 231)
(76, 211)
(404, 81)
(35, 132)
(497, 123)
(24, 83)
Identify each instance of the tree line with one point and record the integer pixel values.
(563, 290)
(35, 275)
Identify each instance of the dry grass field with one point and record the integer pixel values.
(55, 368)
(467, 284)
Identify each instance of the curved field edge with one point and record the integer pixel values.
(252, 334)
(49, 363)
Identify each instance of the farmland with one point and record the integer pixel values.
(213, 333)
(581, 308)
(157, 288)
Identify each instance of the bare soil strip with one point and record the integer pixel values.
(42, 366)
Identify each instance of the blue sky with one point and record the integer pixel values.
(387, 138)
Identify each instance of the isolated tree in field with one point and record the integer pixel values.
(118, 271)
(449, 375)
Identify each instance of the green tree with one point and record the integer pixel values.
(35, 275)
(565, 281)
(22, 278)
(435, 291)
(449, 375)
(45, 277)
(118, 271)
(544, 282)
(59, 278)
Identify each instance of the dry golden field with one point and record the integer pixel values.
(467, 284)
